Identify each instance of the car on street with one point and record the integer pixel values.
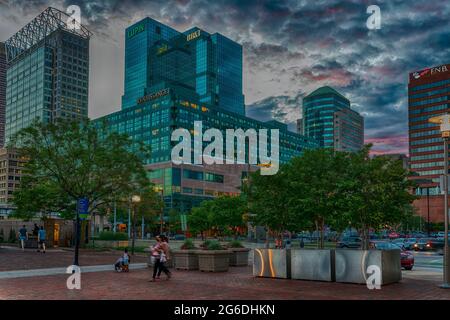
(409, 243)
(423, 244)
(406, 257)
(400, 242)
(349, 242)
(441, 234)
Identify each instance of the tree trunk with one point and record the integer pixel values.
(321, 234)
(365, 240)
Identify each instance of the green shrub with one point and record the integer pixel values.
(206, 243)
(110, 235)
(214, 245)
(188, 244)
(2, 235)
(235, 244)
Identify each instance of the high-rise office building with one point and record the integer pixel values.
(2, 93)
(192, 76)
(428, 96)
(209, 64)
(328, 118)
(48, 72)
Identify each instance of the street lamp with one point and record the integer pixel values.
(444, 122)
(135, 200)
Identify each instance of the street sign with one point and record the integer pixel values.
(83, 208)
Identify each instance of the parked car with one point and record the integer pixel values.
(441, 234)
(423, 244)
(400, 242)
(406, 257)
(409, 243)
(349, 242)
(179, 237)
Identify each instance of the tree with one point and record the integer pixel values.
(376, 192)
(67, 161)
(200, 220)
(313, 181)
(269, 200)
(227, 213)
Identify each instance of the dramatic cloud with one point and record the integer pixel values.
(290, 49)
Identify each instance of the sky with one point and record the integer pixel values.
(290, 48)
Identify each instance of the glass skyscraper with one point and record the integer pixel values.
(209, 64)
(2, 93)
(177, 79)
(48, 72)
(328, 118)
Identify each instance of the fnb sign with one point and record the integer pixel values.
(139, 28)
(429, 72)
(193, 35)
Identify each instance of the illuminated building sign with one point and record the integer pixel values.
(193, 35)
(429, 72)
(162, 49)
(153, 96)
(138, 29)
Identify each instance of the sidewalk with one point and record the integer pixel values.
(12, 258)
(238, 283)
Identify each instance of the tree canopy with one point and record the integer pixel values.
(67, 161)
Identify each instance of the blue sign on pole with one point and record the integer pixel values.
(83, 208)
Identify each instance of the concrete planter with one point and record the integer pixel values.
(272, 263)
(352, 265)
(213, 260)
(113, 243)
(185, 259)
(239, 256)
(312, 264)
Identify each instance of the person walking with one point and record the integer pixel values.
(165, 255)
(155, 257)
(41, 239)
(23, 235)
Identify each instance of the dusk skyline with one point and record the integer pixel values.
(290, 49)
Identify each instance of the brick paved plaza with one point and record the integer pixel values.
(238, 283)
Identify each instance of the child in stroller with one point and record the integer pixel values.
(122, 263)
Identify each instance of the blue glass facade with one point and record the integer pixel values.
(2, 92)
(327, 118)
(211, 65)
(49, 81)
(139, 37)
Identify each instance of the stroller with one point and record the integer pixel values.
(122, 264)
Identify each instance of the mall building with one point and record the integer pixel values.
(173, 79)
(428, 96)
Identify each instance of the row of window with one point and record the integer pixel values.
(425, 133)
(427, 149)
(425, 141)
(430, 109)
(429, 93)
(430, 85)
(427, 157)
(428, 101)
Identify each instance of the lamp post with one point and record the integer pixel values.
(135, 200)
(444, 122)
